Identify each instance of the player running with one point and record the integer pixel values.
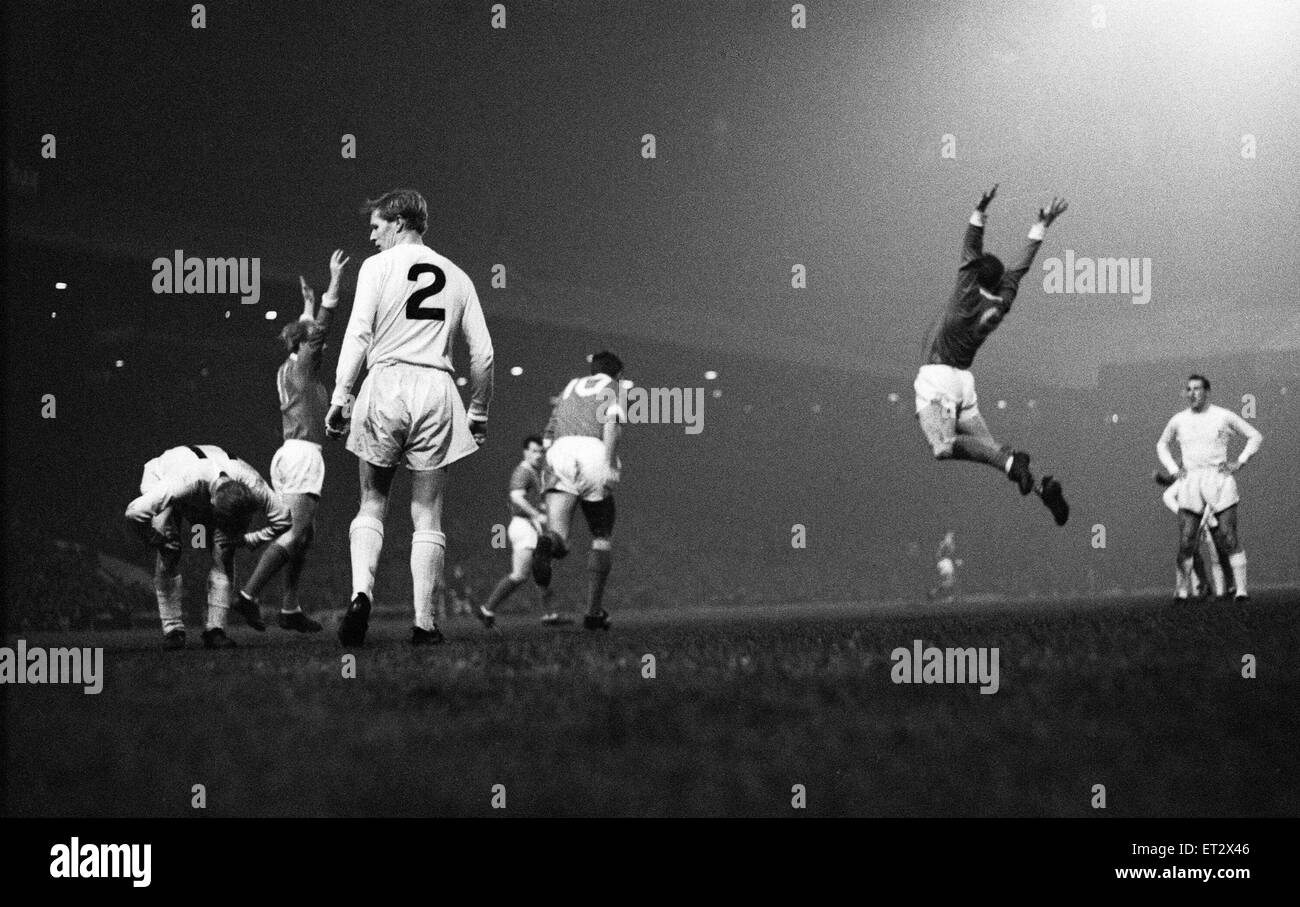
(298, 469)
(946, 406)
(582, 440)
(410, 305)
(527, 521)
(202, 484)
(1206, 482)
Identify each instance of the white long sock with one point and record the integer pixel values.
(1183, 578)
(366, 535)
(218, 599)
(170, 592)
(428, 551)
(1216, 575)
(1238, 562)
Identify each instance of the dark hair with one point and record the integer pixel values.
(532, 439)
(606, 363)
(988, 271)
(233, 505)
(1201, 378)
(295, 333)
(404, 203)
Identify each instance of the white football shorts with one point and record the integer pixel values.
(298, 468)
(952, 388)
(523, 537)
(1201, 488)
(577, 466)
(410, 414)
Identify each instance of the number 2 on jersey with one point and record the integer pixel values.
(413, 309)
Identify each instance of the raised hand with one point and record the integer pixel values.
(1052, 212)
(337, 262)
(987, 197)
(308, 295)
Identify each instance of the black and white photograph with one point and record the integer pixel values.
(671, 408)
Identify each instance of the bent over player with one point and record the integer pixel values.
(1206, 483)
(946, 406)
(410, 305)
(203, 485)
(582, 438)
(298, 469)
(527, 522)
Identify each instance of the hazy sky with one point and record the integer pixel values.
(775, 146)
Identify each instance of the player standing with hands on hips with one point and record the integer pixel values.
(410, 304)
(946, 406)
(1207, 480)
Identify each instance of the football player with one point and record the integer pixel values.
(583, 467)
(204, 485)
(298, 469)
(1207, 481)
(527, 520)
(1205, 582)
(946, 405)
(410, 305)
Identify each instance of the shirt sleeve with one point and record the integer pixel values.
(154, 501)
(1162, 447)
(480, 356)
(361, 328)
(1011, 278)
(972, 245)
(1253, 438)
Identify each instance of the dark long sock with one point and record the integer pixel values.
(598, 566)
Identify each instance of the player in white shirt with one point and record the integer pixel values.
(204, 485)
(410, 305)
(1207, 480)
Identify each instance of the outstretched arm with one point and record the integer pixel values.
(1013, 275)
(973, 242)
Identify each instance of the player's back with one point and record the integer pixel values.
(422, 302)
(584, 407)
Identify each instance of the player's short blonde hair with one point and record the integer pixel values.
(407, 204)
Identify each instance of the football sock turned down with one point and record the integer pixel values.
(504, 588)
(428, 550)
(273, 558)
(1238, 562)
(169, 589)
(218, 599)
(366, 537)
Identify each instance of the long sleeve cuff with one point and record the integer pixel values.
(1038, 232)
(329, 300)
(977, 218)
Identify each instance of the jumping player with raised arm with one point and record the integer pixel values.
(946, 406)
(581, 453)
(298, 469)
(410, 305)
(1207, 481)
(204, 485)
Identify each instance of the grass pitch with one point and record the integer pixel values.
(1137, 695)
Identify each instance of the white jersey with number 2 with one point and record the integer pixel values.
(409, 305)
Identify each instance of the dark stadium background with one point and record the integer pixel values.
(775, 146)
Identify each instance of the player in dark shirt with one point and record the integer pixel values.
(946, 405)
(298, 469)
